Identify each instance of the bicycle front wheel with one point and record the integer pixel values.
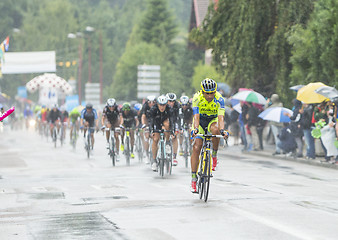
(207, 173)
(112, 150)
(88, 144)
(127, 151)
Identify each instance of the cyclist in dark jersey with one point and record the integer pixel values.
(186, 115)
(145, 120)
(111, 119)
(175, 107)
(129, 120)
(88, 119)
(54, 119)
(160, 117)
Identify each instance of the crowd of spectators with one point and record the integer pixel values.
(291, 137)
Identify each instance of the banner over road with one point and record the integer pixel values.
(28, 62)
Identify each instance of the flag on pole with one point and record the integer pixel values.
(6, 43)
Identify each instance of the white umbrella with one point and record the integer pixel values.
(250, 96)
(276, 114)
(49, 80)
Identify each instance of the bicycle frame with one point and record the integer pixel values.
(165, 159)
(127, 143)
(205, 165)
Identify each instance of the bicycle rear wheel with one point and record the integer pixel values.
(54, 136)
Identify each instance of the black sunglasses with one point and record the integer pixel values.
(209, 93)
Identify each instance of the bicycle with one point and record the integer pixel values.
(127, 149)
(111, 150)
(150, 151)
(204, 173)
(186, 144)
(88, 141)
(138, 146)
(62, 133)
(164, 155)
(54, 135)
(74, 136)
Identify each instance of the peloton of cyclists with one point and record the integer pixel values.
(128, 120)
(208, 109)
(88, 119)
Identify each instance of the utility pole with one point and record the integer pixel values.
(101, 69)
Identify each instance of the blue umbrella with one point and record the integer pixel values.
(276, 114)
(224, 87)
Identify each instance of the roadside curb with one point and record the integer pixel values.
(268, 154)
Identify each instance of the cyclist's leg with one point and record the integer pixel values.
(154, 147)
(116, 135)
(109, 126)
(166, 126)
(51, 129)
(92, 136)
(213, 128)
(132, 140)
(71, 130)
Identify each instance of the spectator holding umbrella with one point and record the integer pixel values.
(252, 117)
(275, 126)
(306, 123)
(295, 126)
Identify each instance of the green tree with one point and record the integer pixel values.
(157, 25)
(315, 46)
(251, 38)
(202, 71)
(124, 84)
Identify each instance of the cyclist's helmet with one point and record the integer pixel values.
(111, 102)
(184, 100)
(208, 85)
(171, 96)
(162, 100)
(151, 98)
(138, 106)
(126, 106)
(89, 106)
(54, 106)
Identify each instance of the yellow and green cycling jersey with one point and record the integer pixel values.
(207, 109)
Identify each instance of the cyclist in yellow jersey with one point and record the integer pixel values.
(208, 109)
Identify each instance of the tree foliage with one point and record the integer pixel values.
(250, 40)
(157, 25)
(315, 46)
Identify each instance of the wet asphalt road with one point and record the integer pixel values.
(48, 193)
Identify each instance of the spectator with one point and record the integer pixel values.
(296, 127)
(287, 141)
(329, 136)
(252, 117)
(242, 122)
(320, 114)
(275, 127)
(307, 128)
(260, 127)
(234, 125)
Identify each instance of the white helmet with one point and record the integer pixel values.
(151, 98)
(171, 96)
(162, 100)
(111, 102)
(184, 100)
